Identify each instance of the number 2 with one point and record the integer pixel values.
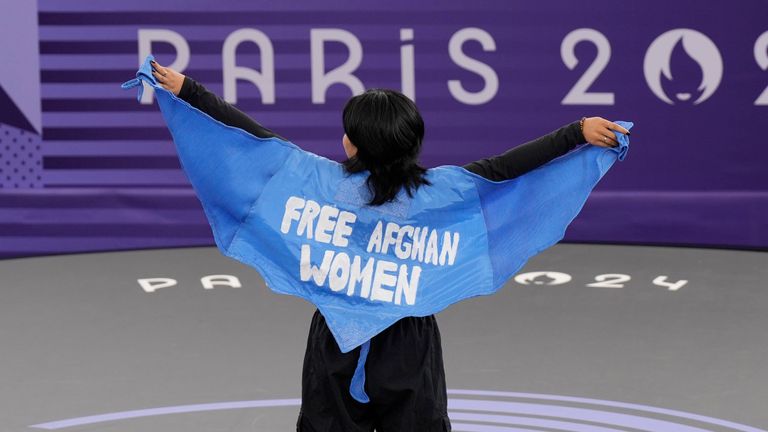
(610, 280)
(579, 94)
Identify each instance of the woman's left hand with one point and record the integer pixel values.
(168, 78)
(599, 131)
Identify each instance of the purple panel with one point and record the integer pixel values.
(681, 218)
(695, 174)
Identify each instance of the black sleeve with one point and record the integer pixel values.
(208, 102)
(529, 156)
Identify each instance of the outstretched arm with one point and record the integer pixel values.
(531, 155)
(526, 215)
(191, 91)
(228, 166)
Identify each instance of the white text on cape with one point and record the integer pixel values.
(368, 277)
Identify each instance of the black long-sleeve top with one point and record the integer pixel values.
(510, 164)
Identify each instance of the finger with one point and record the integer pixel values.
(158, 77)
(609, 135)
(598, 140)
(609, 132)
(160, 69)
(617, 128)
(612, 126)
(609, 140)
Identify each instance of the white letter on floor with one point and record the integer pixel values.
(210, 281)
(152, 284)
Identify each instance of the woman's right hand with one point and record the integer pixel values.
(599, 131)
(168, 78)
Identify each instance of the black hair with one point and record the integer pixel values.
(387, 130)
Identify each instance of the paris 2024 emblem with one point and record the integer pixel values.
(678, 46)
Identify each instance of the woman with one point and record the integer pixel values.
(405, 375)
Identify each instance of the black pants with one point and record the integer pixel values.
(404, 378)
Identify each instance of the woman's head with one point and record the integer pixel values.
(383, 134)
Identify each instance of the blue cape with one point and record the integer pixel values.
(304, 225)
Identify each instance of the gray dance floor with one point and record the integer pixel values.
(607, 338)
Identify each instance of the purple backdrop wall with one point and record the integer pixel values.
(95, 170)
